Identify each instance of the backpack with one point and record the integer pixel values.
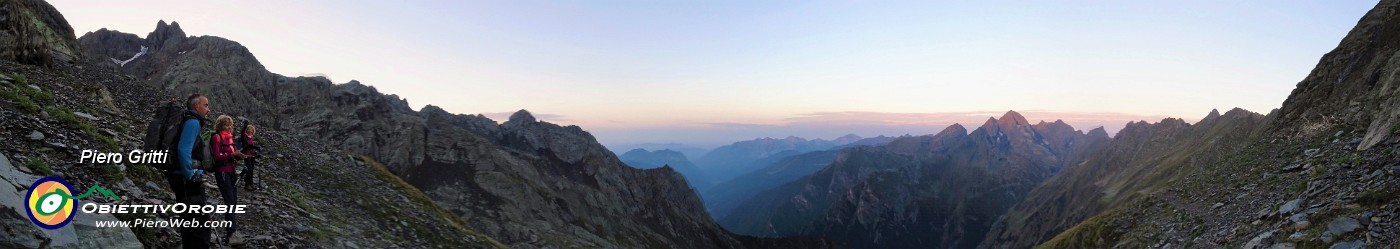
(203, 157)
(214, 143)
(163, 131)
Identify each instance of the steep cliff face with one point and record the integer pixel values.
(1142, 158)
(33, 32)
(943, 190)
(524, 182)
(1354, 85)
(1318, 172)
(79, 107)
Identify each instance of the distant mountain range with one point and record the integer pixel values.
(729, 161)
(944, 190)
(687, 150)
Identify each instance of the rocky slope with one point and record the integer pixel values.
(939, 191)
(523, 182)
(79, 107)
(1140, 159)
(1319, 172)
(33, 32)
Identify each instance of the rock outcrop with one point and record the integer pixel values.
(304, 204)
(1297, 177)
(33, 32)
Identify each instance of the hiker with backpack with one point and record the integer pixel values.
(179, 129)
(224, 155)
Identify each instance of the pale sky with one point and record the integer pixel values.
(708, 73)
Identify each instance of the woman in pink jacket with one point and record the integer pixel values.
(224, 157)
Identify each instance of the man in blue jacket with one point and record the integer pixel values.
(187, 183)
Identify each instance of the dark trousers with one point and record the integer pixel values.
(190, 192)
(228, 183)
(248, 166)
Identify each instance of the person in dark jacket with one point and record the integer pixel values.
(249, 146)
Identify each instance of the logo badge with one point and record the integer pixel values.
(50, 202)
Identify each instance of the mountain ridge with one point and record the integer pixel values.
(467, 163)
(940, 190)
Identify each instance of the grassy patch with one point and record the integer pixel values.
(1374, 198)
(1095, 232)
(28, 99)
(143, 172)
(1395, 128)
(23, 102)
(1298, 187)
(67, 117)
(39, 166)
(1318, 170)
(320, 232)
(37, 95)
(417, 196)
(297, 197)
(110, 172)
(1352, 158)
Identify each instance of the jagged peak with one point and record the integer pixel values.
(1173, 121)
(1013, 118)
(164, 33)
(1239, 112)
(432, 109)
(1098, 132)
(991, 122)
(522, 116)
(953, 129)
(1210, 117)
